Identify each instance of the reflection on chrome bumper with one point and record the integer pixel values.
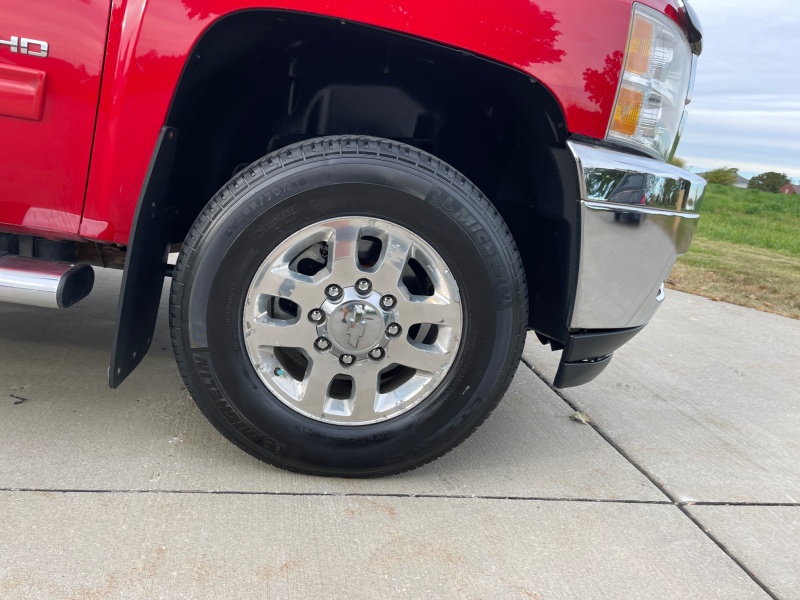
(637, 216)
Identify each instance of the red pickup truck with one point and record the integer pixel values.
(374, 201)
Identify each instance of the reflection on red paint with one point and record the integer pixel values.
(536, 39)
(601, 86)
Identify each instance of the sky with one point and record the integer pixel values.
(746, 107)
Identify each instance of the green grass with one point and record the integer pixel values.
(746, 251)
(751, 218)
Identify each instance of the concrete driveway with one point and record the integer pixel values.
(686, 485)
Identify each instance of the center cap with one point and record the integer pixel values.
(355, 326)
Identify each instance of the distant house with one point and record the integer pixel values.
(790, 188)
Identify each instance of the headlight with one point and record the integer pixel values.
(655, 84)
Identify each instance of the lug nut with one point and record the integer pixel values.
(333, 291)
(347, 359)
(388, 301)
(376, 353)
(322, 343)
(315, 315)
(363, 286)
(393, 330)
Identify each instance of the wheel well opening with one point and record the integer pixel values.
(260, 80)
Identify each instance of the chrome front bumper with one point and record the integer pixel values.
(637, 216)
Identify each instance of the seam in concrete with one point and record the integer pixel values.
(395, 495)
(682, 506)
(333, 495)
(759, 504)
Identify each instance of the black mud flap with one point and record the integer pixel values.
(145, 265)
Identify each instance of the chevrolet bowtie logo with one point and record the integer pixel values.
(356, 318)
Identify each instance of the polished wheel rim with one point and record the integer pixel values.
(352, 321)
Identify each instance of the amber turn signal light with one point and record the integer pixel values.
(627, 110)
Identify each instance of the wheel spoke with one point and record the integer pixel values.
(436, 310)
(277, 335)
(281, 282)
(416, 356)
(317, 381)
(389, 269)
(344, 263)
(365, 383)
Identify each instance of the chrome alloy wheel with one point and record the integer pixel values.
(352, 321)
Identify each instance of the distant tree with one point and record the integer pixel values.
(723, 176)
(678, 162)
(769, 182)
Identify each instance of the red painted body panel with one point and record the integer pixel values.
(573, 47)
(44, 163)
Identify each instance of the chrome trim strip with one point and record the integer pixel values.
(643, 210)
(619, 178)
(692, 79)
(679, 134)
(579, 164)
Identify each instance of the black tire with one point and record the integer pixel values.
(306, 183)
